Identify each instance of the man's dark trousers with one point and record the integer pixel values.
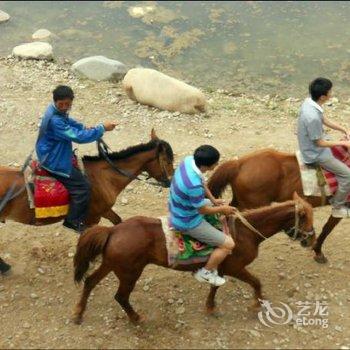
(79, 190)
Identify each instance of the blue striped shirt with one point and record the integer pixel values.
(187, 195)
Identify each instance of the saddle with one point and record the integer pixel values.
(317, 181)
(47, 196)
(183, 249)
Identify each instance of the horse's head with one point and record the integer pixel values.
(302, 225)
(162, 167)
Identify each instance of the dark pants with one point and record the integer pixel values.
(78, 187)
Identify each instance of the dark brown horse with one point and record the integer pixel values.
(155, 157)
(128, 247)
(262, 177)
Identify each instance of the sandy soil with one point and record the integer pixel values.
(37, 300)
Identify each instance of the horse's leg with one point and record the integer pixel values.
(4, 267)
(89, 284)
(127, 281)
(210, 304)
(92, 220)
(247, 277)
(327, 229)
(113, 217)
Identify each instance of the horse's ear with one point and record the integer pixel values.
(296, 196)
(153, 135)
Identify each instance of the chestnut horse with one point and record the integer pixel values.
(155, 157)
(265, 176)
(128, 247)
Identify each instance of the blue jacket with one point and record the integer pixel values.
(56, 134)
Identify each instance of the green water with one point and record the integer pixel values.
(265, 47)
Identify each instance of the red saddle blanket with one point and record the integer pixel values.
(51, 198)
(341, 153)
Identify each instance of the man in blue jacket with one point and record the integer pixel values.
(55, 152)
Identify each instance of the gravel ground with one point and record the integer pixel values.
(37, 300)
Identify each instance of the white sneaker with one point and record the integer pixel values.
(341, 212)
(203, 275)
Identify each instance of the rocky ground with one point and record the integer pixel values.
(36, 301)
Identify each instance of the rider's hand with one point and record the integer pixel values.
(228, 210)
(346, 144)
(109, 126)
(219, 201)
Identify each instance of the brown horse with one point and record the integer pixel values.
(262, 177)
(128, 247)
(155, 157)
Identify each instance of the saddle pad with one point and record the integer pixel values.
(341, 153)
(309, 178)
(183, 249)
(51, 198)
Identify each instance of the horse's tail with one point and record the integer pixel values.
(91, 244)
(222, 176)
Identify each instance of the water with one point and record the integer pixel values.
(262, 47)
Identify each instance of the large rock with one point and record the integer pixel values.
(37, 50)
(100, 68)
(42, 34)
(153, 88)
(4, 17)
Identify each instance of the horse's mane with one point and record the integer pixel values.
(134, 150)
(262, 213)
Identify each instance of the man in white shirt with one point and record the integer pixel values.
(315, 149)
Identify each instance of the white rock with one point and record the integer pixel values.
(36, 50)
(140, 11)
(153, 88)
(100, 68)
(180, 310)
(41, 34)
(4, 17)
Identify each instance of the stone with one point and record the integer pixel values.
(4, 17)
(153, 88)
(140, 11)
(100, 68)
(38, 250)
(254, 333)
(180, 310)
(34, 296)
(41, 34)
(38, 50)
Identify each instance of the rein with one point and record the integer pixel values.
(103, 150)
(247, 224)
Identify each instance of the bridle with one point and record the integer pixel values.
(103, 150)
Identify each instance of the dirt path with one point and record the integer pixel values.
(36, 301)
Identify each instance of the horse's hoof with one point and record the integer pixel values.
(256, 307)
(138, 319)
(210, 310)
(320, 258)
(77, 319)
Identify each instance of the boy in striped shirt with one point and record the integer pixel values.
(188, 203)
